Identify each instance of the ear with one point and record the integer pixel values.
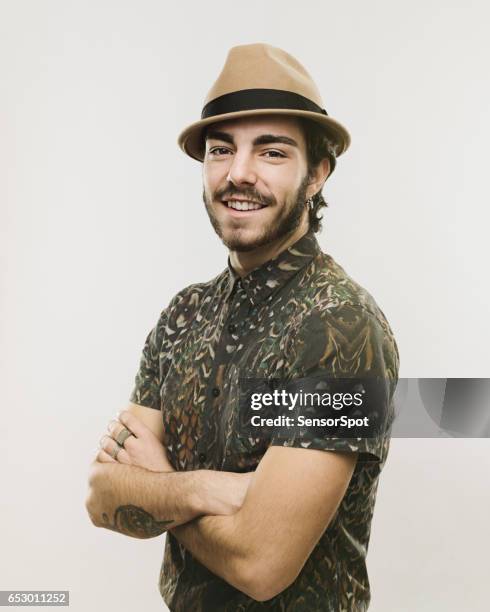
(319, 177)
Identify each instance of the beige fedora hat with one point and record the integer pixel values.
(259, 79)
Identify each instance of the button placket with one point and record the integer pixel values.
(238, 309)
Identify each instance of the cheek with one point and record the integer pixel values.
(207, 181)
(213, 177)
(282, 183)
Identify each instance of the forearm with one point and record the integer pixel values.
(247, 549)
(141, 503)
(220, 543)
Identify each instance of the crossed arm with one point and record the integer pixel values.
(289, 503)
(140, 494)
(256, 531)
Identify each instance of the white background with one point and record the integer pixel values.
(102, 222)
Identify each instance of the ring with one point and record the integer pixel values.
(123, 435)
(115, 451)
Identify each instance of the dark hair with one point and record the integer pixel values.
(318, 147)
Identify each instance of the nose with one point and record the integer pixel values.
(242, 170)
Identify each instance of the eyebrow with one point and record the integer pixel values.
(260, 140)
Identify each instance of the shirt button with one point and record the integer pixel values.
(215, 391)
(202, 457)
(232, 328)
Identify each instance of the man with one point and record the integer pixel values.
(262, 520)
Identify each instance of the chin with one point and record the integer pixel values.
(242, 244)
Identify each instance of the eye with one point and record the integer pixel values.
(218, 150)
(275, 154)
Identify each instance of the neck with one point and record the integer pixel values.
(244, 262)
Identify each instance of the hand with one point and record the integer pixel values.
(142, 448)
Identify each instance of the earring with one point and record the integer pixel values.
(309, 202)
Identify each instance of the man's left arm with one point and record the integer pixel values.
(290, 502)
(296, 491)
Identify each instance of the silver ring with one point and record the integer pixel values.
(123, 435)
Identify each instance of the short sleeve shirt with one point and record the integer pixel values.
(297, 314)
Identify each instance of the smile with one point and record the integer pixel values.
(243, 205)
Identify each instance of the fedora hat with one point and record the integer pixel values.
(259, 79)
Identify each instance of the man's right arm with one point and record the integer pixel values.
(144, 504)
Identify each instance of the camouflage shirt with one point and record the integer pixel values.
(296, 314)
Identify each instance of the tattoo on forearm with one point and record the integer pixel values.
(136, 522)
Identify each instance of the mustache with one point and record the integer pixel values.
(246, 195)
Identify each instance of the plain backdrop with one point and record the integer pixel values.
(102, 222)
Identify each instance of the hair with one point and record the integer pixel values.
(318, 147)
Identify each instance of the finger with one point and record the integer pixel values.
(122, 435)
(124, 457)
(115, 428)
(104, 440)
(103, 457)
(139, 429)
(115, 451)
(109, 445)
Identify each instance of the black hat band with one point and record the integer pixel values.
(256, 99)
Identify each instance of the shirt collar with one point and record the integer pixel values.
(274, 274)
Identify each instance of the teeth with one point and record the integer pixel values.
(238, 205)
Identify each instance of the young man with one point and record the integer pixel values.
(254, 520)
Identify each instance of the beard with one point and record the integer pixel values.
(285, 222)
